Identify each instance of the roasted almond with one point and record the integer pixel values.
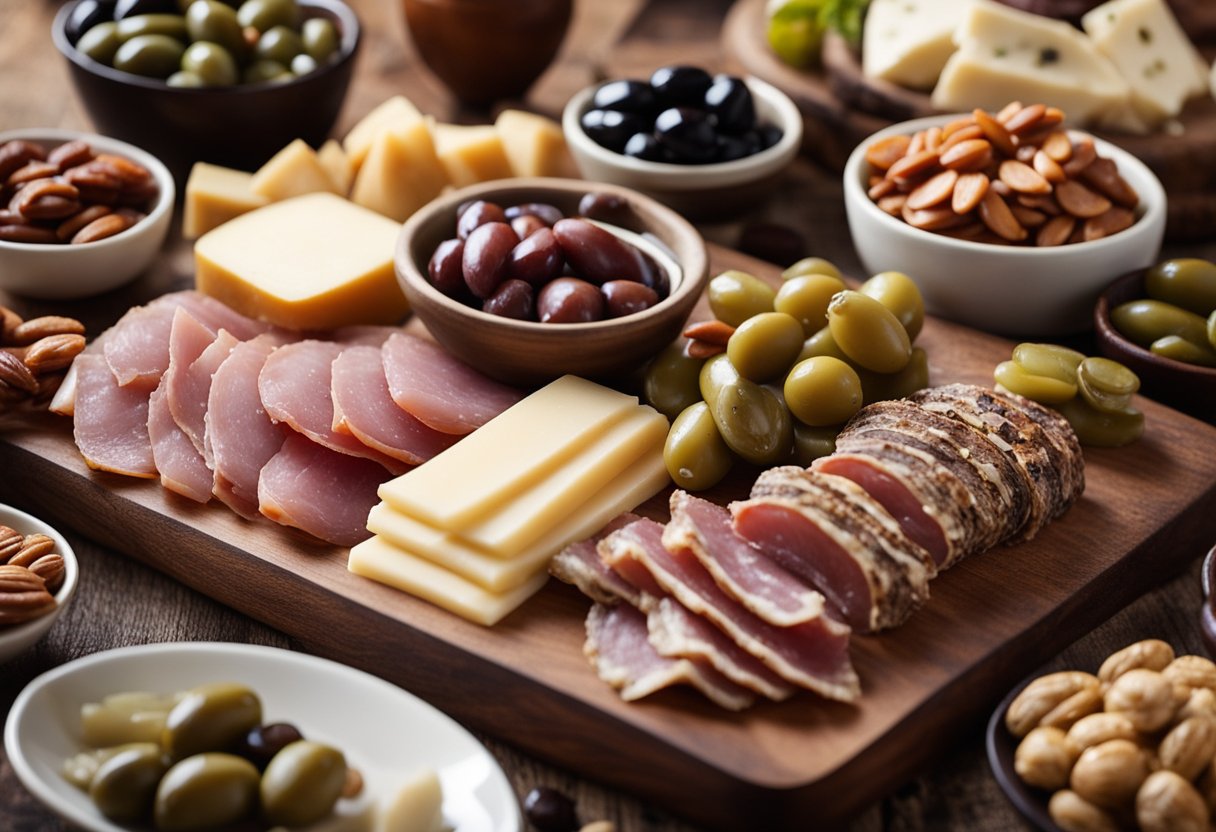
(14, 374)
(996, 133)
(971, 131)
(1045, 203)
(1056, 231)
(1048, 168)
(1058, 146)
(1083, 153)
(1107, 223)
(961, 123)
(1080, 201)
(1008, 111)
(1025, 119)
(933, 191)
(1022, 178)
(933, 138)
(67, 229)
(893, 204)
(702, 349)
(54, 352)
(35, 329)
(70, 154)
(880, 189)
(1028, 217)
(968, 192)
(32, 171)
(1103, 176)
(886, 152)
(26, 233)
(932, 219)
(129, 172)
(17, 153)
(999, 219)
(913, 166)
(711, 332)
(967, 155)
(101, 228)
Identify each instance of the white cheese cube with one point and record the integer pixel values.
(907, 42)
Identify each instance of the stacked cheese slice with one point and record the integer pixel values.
(474, 528)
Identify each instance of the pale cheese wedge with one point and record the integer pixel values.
(535, 145)
(293, 171)
(908, 43)
(471, 154)
(400, 174)
(338, 165)
(415, 806)
(215, 195)
(395, 114)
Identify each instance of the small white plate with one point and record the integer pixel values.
(385, 732)
(16, 639)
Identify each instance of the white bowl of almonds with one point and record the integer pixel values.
(80, 213)
(38, 574)
(1008, 222)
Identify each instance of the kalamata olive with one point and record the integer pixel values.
(734, 296)
(477, 214)
(525, 225)
(672, 380)
(173, 25)
(730, 101)
(155, 56)
(1049, 360)
(302, 783)
(763, 347)
(320, 38)
(100, 42)
(279, 43)
(262, 742)
(812, 265)
(653, 275)
(676, 86)
(1187, 282)
(211, 20)
(124, 786)
(596, 255)
(210, 717)
(771, 241)
(87, 14)
(898, 292)
(445, 268)
(611, 128)
(129, 8)
(695, 453)
(1016, 379)
(266, 14)
(625, 297)
(806, 297)
(686, 133)
(514, 299)
(811, 443)
(550, 811)
(486, 252)
(569, 300)
(823, 391)
(611, 208)
(536, 260)
(546, 213)
(754, 422)
(212, 63)
(646, 147)
(869, 333)
(205, 791)
(627, 96)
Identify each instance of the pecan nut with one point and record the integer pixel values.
(101, 228)
(10, 542)
(23, 595)
(17, 153)
(52, 569)
(54, 352)
(14, 374)
(32, 548)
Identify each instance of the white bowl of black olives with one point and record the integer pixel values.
(707, 145)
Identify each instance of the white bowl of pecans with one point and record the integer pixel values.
(38, 575)
(80, 213)
(1008, 222)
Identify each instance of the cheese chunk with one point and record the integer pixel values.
(338, 165)
(535, 145)
(395, 114)
(471, 154)
(293, 171)
(415, 806)
(379, 560)
(315, 262)
(215, 195)
(1006, 55)
(907, 42)
(512, 452)
(400, 174)
(1144, 40)
(632, 487)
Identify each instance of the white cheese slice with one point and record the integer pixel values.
(415, 806)
(1144, 40)
(907, 42)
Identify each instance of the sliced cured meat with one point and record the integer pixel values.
(295, 385)
(181, 466)
(618, 646)
(240, 437)
(741, 568)
(195, 353)
(110, 422)
(836, 537)
(440, 391)
(367, 335)
(579, 564)
(327, 494)
(363, 408)
(813, 654)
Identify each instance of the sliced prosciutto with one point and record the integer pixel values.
(439, 390)
(181, 466)
(319, 491)
(579, 564)
(813, 654)
(110, 422)
(618, 645)
(187, 382)
(363, 408)
(295, 385)
(741, 568)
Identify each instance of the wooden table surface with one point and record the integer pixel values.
(124, 603)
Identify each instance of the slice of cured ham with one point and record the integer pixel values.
(181, 466)
(579, 564)
(836, 537)
(295, 385)
(813, 654)
(742, 569)
(617, 644)
(327, 494)
(110, 422)
(363, 408)
(195, 353)
(440, 391)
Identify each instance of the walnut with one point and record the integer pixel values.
(1201, 702)
(1073, 813)
(1044, 759)
(1109, 774)
(1151, 653)
(1168, 803)
(1042, 696)
(1191, 672)
(1145, 697)
(1084, 702)
(1096, 729)
(1189, 746)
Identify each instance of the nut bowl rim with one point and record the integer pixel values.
(17, 639)
(999, 746)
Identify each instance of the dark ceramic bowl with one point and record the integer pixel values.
(1030, 802)
(1207, 616)
(239, 126)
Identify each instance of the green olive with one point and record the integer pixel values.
(806, 297)
(278, 44)
(1212, 329)
(868, 333)
(878, 387)
(261, 71)
(811, 443)
(302, 783)
(206, 791)
(754, 422)
(1100, 429)
(898, 292)
(210, 718)
(696, 455)
(124, 718)
(1013, 377)
(155, 56)
(100, 42)
(124, 787)
(812, 265)
(1144, 321)
(1108, 376)
(266, 14)
(763, 347)
(1187, 282)
(212, 63)
(181, 78)
(672, 381)
(716, 373)
(823, 391)
(734, 296)
(173, 25)
(320, 38)
(1100, 399)
(1050, 360)
(303, 64)
(821, 343)
(212, 21)
(1180, 349)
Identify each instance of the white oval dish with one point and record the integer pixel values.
(385, 732)
(17, 639)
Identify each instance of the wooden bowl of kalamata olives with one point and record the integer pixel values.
(530, 279)
(710, 146)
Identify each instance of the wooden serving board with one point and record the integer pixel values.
(1147, 510)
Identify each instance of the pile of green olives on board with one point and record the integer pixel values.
(203, 759)
(208, 43)
(1094, 394)
(1178, 318)
(799, 361)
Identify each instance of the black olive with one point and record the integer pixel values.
(644, 146)
(262, 743)
(687, 134)
(611, 128)
(770, 134)
(731, 148)
(130, 8)
(730, 101)
(626, 95)
(677, 86)
(550, 811)
(87, 14)
(597, 205)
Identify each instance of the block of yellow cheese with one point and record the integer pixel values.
(314, 262)
(293, 171)
(338, 165)
(535, 145)
(215, 195)
(511, 452)
(381, 561)
(471, 154)
(395, 114)
(400, 174)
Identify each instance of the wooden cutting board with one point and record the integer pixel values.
(1147, 510)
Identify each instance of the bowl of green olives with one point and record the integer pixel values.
(203, 80)
(1161, 323)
